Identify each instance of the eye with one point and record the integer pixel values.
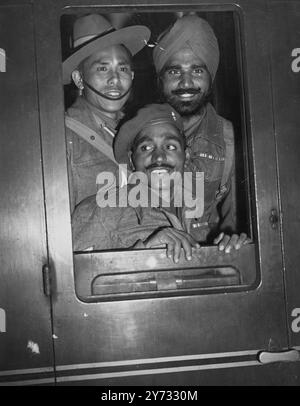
(145, 148)
(171, 147)
(101, 69)
(199, 71)
(173, 72)
(125, 69)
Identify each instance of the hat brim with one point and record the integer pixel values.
(134, 38)
(122, 146)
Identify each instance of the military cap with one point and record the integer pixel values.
(151, 114)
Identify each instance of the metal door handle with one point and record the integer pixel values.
(266, 357)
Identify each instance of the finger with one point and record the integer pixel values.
(177, 248)
(219, 238)
(222, 244)
(173, 243)
(158, 239)
(182, 234)
(164, 237)
(171, 248)
(192, 241)
(231, 243)
(241, 241)
(187, 247)
(167, 238)
(186, 241)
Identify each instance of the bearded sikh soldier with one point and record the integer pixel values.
(186, 60)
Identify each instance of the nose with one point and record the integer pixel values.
(114, 78)
(186, 80)
(158, 156)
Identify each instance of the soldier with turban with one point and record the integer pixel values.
(186, 60)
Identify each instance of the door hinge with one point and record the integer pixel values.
(47, 280)
(274, 219)
(266, 357)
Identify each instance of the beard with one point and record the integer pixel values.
(188, 107)
(185, 107)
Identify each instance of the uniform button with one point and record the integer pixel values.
(92, 137)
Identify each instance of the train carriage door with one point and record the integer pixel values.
(134, 317)
(286, 94)
(26, 351)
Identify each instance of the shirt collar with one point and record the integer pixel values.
(195, 122)
(101, 117)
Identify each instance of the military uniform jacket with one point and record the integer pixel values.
(84, 161)
(207, 149)
(104, 228)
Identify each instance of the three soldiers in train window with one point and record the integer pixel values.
(186, 60)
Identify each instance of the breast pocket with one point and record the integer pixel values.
(86, 155)
(208, 158)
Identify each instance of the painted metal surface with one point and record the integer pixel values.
(25, 327)
(211, 336)
(128, 330)
(286, 99)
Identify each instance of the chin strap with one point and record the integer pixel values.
(104, 95)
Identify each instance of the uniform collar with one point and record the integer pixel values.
(195, 121)
(100, 117)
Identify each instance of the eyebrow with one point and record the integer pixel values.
(139, 140)
(173, 138)
(105, 63)
(203, 66)
(173, 67)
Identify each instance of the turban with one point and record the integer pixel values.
(192, 32)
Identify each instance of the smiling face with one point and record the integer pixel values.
(159, 151)
(109, 72)
(185, 82)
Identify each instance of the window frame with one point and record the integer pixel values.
(251, 281)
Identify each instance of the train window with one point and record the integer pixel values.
(104, 272)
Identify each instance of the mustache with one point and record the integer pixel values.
(179, 92)
(161, 166)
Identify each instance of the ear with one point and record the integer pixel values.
(132, 167)
(77, 78)
(132, 75)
